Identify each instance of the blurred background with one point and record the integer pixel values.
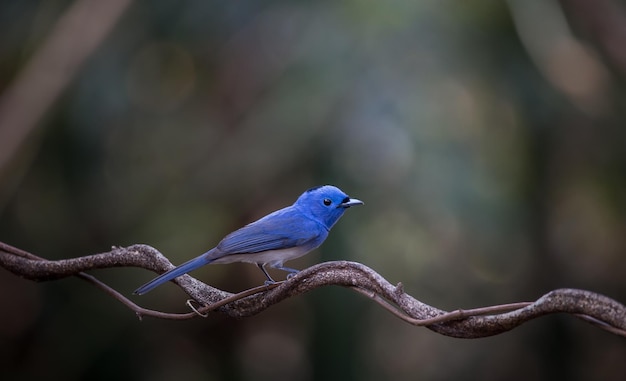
(486, 139)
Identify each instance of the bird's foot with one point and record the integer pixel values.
(292, 274)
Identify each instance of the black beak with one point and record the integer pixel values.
(351, 202)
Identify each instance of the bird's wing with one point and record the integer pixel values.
(279, 230)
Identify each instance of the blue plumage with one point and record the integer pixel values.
(285, 234)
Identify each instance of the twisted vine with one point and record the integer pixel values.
(594, 308)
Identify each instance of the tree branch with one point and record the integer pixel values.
(594, 308)
(72, 40)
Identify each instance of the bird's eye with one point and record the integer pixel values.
(327, 201)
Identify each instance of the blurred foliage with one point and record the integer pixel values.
(486, 139)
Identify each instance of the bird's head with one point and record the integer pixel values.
(326, 204)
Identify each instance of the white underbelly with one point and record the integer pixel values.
(270, 256)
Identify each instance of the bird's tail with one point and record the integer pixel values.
(174, 273)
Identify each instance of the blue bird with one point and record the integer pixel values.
(280, 236)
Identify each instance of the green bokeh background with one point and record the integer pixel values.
(486, 139)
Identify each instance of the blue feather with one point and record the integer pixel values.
(285, 234)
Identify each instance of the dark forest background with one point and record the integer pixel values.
(486, 138)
